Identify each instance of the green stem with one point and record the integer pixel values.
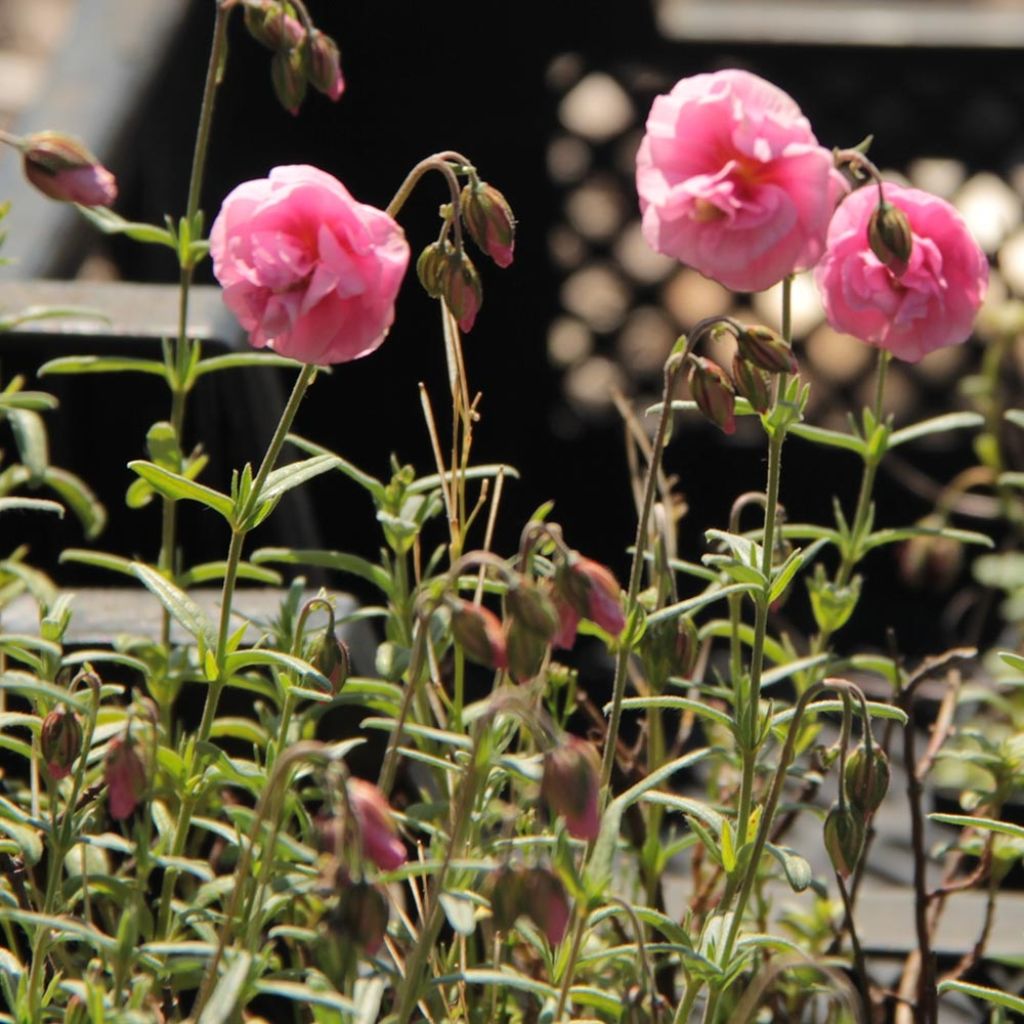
(570, 966)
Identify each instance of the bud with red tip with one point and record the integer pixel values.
(377, 831)
(592, 591)
(478, 631)
(361, 916)
(767, 349)
(288, 74)
(325, 66)
(460, 286)
(866, 779)
(531, 606)
(125, 776)
(489, 220)
(60, 739)
(62, 168)
(890, 237)
(273, 24)
(568, 623)
(570, 783)
(751, 383)
(844, 839)
(546, 903)
(713, 392)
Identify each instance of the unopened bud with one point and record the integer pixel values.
(489, 220)
(273, 24)
(844, 838)
(931, 561)
(529, 605)
(330, 657)
(546, 903)
(669, 648)
(525, 651)
(505, 890)
(60, 739)
(593, 591)
(430, 268)
(570, 785)
(479, 633)
(751, 382)
(360, 916)
(325, 66)
(866, 779)
(288, 73)
(890, 237)
(125, 776)
(713, 392)
(62, 168)
(377, 831)
(767, 349)
(460, 286)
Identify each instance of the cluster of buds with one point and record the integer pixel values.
(536, 893)
(60, 740)
(301, 58)
(126, 777)
(865, 783)
(63, 168)
(450, 275)
(760, 354)
(570, 785)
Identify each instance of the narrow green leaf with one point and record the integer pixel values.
(26, 685)
(183, 609)
(674, 611)
(36, 401)
(238, 359)
(937, 425)
(983, 992)
(277, 659)
(287, 477)
(832, 438)
(337, 560)
(1015, 661)
(303, 995)
(460, 910)
(30, 438)
(225, 999)
(881, 537)
(31, 505)
(98, 559)
(433, 481)
(875, 709)
(76, 494)
(676, 703)
(111, 223)
(102, 364)
(369, 483)
(181, 488)
(67, 929)
(210, 571)
(791, 668)
(728, 848)
(1004, 828)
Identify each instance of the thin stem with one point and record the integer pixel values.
(859, 964)
(570, 966)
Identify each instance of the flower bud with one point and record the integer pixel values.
(505, 891)
(325, 66)
(60, 739)
(330, 657)
(931, 561)
(832, 604)
(570, 784)
(767, 349)
(478, 631)
(546, 903)
(568, 623)
(713, 392)
(377, 831)
(288, 74)
(461, 288)
(430, 268)
(592, 591)
(751, 383)
(125, 776)
(360, 916)
(529, 605)
(844, 838)
(489, 221)
(866, 779)
(273, 24)
(890, 237)
(62, 168)
(669, 648)
(525, 651)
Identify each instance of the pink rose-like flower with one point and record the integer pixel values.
(733, 182)
(931, 304)
(308, 271)
(376, 826)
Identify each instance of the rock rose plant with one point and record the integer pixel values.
(551, 792)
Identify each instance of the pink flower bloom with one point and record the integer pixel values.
(308, 271)
(733, 182)
(931, 304)
(376, 826)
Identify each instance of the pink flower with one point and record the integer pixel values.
(931, 304)
(376, 826)
(733, 182)
(307, 270)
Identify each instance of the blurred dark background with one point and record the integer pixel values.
(548, 100)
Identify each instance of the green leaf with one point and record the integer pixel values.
(793, 564)
(433, 481)
(1015, 661)
(209, 571)
(181, 488)
(102, 364)
(182, 608)
(237, 359)
(674, 611)
(833, 438)
(676, 703)
(369, 483)
(26, 685)
(27, 838)
(459, 908)
(30, 438)
(303, 995)
(937, 425)
(505, 978)
(337, 560)
(791, 668)
(295, 473)
(875, 709)
(224, 1000)
(36, 401)
(728, 849)
(881, 537)
(75, 493)
(31, 505)
(983, 992)
(98, 559)
(111, 223)
(67, 929)
(278, 659)
(1004, 828)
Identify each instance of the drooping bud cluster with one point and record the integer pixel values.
(60, 739)
(461, 289)
(713, 392)
(536, 893)
(489, 220)
(62, 168)
(866, 779)
(570, 783)
(126, 777)
(300, 58)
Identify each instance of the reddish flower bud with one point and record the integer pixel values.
(572, 772)
(866, 779)
(767, 349)
(60, 739)
(461, 288)
(593, 592)
(844, 838)
(62, 168)
(288, 74)
(751, 383)
(478, 630)
(330, 657)
(125, 776)
(669, 649)
(568, 623)
(525, 651)
(505, 891)
(890, 237)
(273, 24)
(489, 220)
(361, 916)
(546, 903)
(325, 66)
(377, 831)
(531, 606)
(713, 392)
(431, 267)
